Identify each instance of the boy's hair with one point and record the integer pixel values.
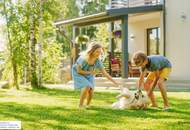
(139, 58)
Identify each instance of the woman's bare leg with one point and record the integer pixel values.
(89, 96)
(83, 95)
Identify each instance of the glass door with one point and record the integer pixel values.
(153, 41)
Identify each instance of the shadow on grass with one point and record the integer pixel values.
(65, 118)
(108, 97)
(73, 93)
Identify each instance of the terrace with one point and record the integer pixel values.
(133, 3)
(117, 10)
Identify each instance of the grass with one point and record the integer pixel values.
(53, 109)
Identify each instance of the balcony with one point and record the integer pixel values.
(116, 10)
(113, 4)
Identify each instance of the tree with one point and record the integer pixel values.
(40, 44)
(103, 34)
(87, 7)
(23, 34)
(11, 28)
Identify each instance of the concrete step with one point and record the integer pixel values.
(103, 82)
(176, 85)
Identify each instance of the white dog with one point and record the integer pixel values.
(130, 100)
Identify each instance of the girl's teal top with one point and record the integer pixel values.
(81, 81)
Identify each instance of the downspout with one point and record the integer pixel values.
(125, 47)
(164, 26)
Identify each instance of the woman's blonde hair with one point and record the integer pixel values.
(91, 48)
(139, 58)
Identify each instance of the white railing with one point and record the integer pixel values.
(133, 3)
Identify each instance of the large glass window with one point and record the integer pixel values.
(153, 41)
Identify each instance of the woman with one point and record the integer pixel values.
(84, 70)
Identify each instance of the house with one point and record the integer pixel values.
(152, 26)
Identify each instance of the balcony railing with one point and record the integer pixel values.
(133, 3)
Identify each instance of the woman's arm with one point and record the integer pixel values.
(83, 72)
(109, 77)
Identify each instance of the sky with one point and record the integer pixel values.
(2, 36)
(1, 21)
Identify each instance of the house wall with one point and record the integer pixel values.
(138, 30)
(178, 37)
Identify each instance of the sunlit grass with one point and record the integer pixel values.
(51, 109)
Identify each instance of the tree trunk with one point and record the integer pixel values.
(34, 80)
(15, 74)
(40, 45)
(14, 64)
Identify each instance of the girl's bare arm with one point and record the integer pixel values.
(109, 77)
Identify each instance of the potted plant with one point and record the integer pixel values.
(117, 33)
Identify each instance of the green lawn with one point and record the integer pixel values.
(50, 109)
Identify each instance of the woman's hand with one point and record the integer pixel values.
(109, 77)
(93, 72)
(84, 72)
(116, 84)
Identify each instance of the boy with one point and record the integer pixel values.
(159, 68)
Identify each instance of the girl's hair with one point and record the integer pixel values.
(139, 58)
(92, 47)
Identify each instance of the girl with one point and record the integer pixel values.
(83, 72)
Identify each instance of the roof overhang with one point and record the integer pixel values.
(89, 20)
(108, 15)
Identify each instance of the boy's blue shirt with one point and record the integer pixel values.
(157, 62)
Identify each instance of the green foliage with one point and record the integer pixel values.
(66, 9)
(54, 46)
(103, 34)
(65, 45)
(69, 10)
(94, 7)
(18, 21)
(82, 39)
(51, 61)
(15, 30)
